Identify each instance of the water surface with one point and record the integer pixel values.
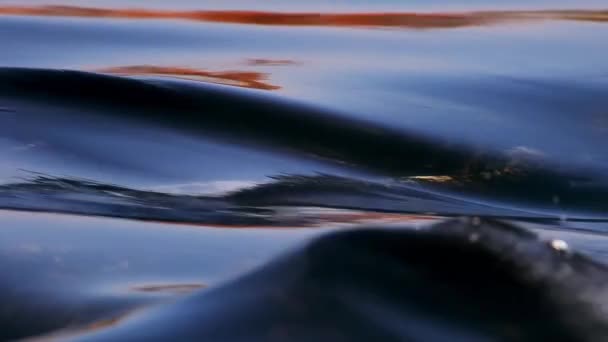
(215, 136)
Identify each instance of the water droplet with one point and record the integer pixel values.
(559, 245)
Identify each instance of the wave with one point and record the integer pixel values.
(264, 205)
(396, 155)
(458, 279)
(413, 165)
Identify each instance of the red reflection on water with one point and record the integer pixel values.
(245, 79)
(387, 19)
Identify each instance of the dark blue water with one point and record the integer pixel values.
(153, 149)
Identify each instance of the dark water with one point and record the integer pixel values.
(153, 149)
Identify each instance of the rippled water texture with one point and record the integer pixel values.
(308, 171)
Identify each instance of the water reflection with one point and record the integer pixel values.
(69, 332)
(246, 79)
(369, 19)
(63, 271)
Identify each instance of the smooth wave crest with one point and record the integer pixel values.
(515, 178)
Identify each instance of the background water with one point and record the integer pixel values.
(265, 122)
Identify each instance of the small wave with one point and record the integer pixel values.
(467, 280)
(517, 178)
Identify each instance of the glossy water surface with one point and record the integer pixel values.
(153, 149)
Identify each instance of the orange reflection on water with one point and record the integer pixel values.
(245, 79)
(73, 331)
(365, 19)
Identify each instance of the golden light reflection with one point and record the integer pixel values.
(364, 19)
(245, 79)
